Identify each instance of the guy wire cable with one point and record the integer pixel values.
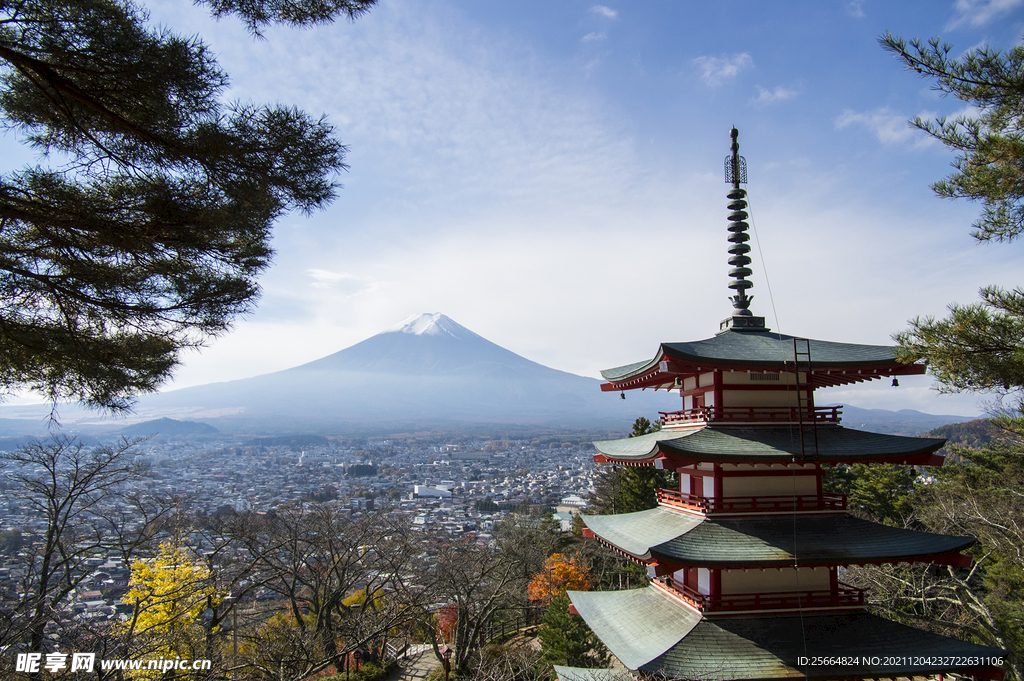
(796, 377)
(764, 268)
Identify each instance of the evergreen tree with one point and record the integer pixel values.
(883, 491)
(147, 230)
(978, 347)
(567, 640)
(989, 143)
(628, 489)
(642, 427)
(638, 484)
(607, 485)
(978, 495)
(638, 488)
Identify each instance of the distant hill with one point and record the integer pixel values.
(10, 444)
(902, 422)
(168, 427)
(974, 434)
(34, 424)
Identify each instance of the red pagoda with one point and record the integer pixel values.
(746, 556)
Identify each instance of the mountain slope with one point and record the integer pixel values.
(424, 372)
(424, 344)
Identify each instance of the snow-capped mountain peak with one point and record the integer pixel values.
(430, 324)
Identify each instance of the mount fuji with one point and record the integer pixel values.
(428, 371)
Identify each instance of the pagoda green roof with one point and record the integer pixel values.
(766, 541)
(758, 348)
(635, 533)
(636, 624)
(761, 648)
(765, 444)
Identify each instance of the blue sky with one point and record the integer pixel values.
(549, 174)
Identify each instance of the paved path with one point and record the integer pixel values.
(419, 662)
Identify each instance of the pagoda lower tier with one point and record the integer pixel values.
(652, 632)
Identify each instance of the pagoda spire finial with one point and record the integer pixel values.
(736, 174)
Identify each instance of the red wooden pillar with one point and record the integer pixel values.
(717, 378)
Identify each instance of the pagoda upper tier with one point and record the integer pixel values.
(678, 365)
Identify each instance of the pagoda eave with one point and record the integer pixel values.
(665, 375)
(676, 539)
(672, 461)
(650, 631)
(833, 364)
(659, 566)
(677, 448)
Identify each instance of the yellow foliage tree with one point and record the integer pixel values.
(560, 573)
(171, 594)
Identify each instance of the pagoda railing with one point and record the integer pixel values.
(759, 504)
(759, 415)
(845, 596)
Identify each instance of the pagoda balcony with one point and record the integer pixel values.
(700, 416)
(811, 503)
(844, 597)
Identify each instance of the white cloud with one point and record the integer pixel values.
(886, 125)
(485, 187)
(341, 281)
(434, 122)
(603, 11)
(980, 12)
(779, 94)
(593, 36)
(713, 70)
(856, 9)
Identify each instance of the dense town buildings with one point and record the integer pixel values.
(485, 480)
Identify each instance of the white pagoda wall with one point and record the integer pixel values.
(755, 378)
(769, 485)
(775, 580)
(759, 398)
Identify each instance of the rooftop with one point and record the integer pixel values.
(679, 538)
(766, 444)
(831, 363)
(648, 630)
